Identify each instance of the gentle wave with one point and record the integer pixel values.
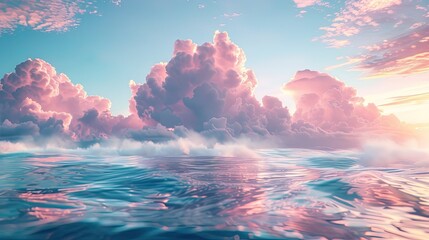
(281, 194)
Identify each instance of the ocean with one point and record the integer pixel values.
(281, 194)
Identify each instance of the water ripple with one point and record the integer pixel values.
(286, 194)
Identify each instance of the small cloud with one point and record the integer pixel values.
(200, 6)
(350, 61)
(417, 25)
(117, 2)
(231, 15)
(301, 13)
(419, 7)
(336, 43)
(306, 3)
(398, 23)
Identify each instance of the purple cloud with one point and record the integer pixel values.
(206, 82)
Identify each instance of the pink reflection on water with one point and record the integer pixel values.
(63, 205)
(378, 189)
(49, 214)
(261, 210)
(47, 161)
(392, 206)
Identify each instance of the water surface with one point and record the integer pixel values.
(285, 194)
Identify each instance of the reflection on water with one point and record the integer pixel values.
(287, 194)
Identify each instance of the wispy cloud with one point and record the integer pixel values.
(413, 99)
(306, 3)
(407, 54)
(358, 16)
(301, 13)
(232, 15)
(47, 16)
(117, 2)
(399, 56)
(350, 61)
(56, 15)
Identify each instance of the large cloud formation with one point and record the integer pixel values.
(204, 92)
(36, 101)
(325, 103)
(207, 87)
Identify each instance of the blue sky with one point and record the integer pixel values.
(121, 42)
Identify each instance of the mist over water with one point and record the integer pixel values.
(279, 194)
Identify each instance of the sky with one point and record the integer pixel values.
(378, 47)
(106, 44)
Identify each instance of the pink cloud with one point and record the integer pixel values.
(407, 54)
(335, 43)
(328, 104)
(203, 83)
(56, 15)
(36, 94)
(47, 16)
(306, 3)
(325, 102)
(413, 99)
(203, 90)
(208, 89)
(359, 16)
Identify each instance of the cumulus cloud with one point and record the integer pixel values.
(16, 131)
(203, 94)
(327, 103)
(207, 89)
(203, 84)
(35, 100)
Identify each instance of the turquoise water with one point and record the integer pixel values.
(284, 194)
